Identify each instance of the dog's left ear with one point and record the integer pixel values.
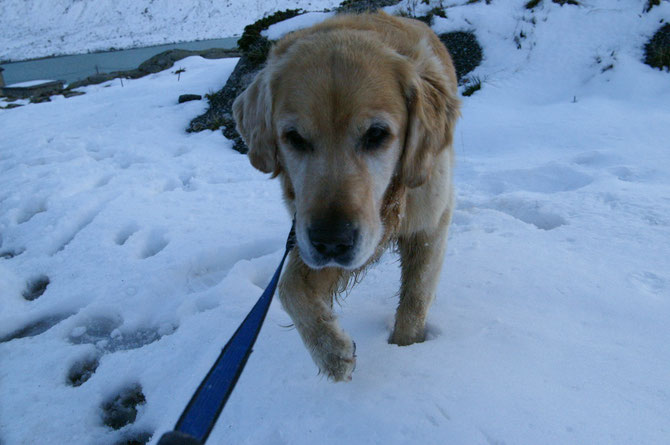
(253, 115)
(432, 110)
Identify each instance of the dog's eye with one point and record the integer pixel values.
(297, 142)
(375, 137)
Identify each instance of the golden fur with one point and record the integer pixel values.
(310, 116)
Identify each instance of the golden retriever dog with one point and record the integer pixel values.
(355, 116)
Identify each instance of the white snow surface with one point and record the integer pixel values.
(278, 30)
(39, 28)
(551, 321)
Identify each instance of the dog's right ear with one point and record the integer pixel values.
(253, 116)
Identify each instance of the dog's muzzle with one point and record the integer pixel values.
(333, 240)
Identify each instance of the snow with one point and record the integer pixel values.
(39, 28)
(551, 318)
(278, 30)
(30, 83)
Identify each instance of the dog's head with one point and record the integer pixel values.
(340, 117)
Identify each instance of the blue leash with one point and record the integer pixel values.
(199, 416)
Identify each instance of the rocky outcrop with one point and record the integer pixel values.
(44, 89)
(465, 50)
(657, 50)
(254, 48)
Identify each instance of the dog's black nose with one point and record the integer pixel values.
(333, 238)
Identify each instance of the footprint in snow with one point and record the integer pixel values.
(125, 233)
(154, 244)
(71, 233)
(36, 327)
(212, 266)
(82, 370)
(36, 287)
(528, 211)
(9, 254)
(549, 178)
(188, 183)
(93, 330)
(121, 408)
(649, 282)
(135, 438)
(30, 210)
(103, 181)
(595, 159)
(108, 336)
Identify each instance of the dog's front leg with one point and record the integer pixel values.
(307, 296)
(421, 255)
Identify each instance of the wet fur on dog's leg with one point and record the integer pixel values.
(421, 255)
(307, 296)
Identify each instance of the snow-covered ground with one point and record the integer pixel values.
(552, 318)
(40, 28)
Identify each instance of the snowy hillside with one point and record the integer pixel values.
(130, 251)
(39, 28)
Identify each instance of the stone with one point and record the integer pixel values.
(657, 50)
(465, 51)
(189, 97)
(46, 88)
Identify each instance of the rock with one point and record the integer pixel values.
(45, 88)
(220, 112)
(163, 61)
(71, 93)
(657, 50)
(189, 97)
(96, 79)
(465, 51)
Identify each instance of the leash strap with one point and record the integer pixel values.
(201, 413)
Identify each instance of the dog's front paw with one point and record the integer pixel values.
(407, 336)
(335, 355)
